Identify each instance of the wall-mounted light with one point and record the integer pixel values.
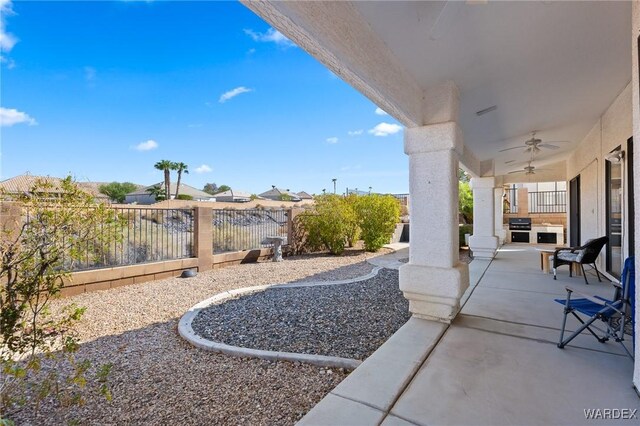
(615, 156)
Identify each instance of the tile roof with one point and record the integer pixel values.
(184, 189)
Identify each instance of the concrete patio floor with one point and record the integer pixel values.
(497, 364)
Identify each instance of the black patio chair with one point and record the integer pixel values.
(584, 255)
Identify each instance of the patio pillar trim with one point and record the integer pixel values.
(483, 242)
(434, 279)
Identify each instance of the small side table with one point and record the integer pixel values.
(277, 242)
(546, 254)
(544, 259)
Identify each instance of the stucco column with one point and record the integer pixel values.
(483, 242)
(434, 279)
(498, 194)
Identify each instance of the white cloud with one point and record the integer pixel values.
(11, 64)
(89, 74)
(7, 40)
(271, 36)
(355, 132)
(10, 116)
(251, 51)
(332, 140)
(233, 93)
(203, 169)
(380, 111)
(146, 146)
(385, 129)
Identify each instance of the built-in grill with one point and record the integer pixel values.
(519, 224)
(520, 227)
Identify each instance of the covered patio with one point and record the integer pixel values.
(496, 364)
(511, 92)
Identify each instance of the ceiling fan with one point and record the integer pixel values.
(534, 144)
(528, 170)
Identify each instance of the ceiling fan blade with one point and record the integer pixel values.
(508, 149)
(516, 171)
(547, 145)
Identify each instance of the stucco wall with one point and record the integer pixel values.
(611, 130)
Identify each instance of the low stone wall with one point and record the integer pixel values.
(223, 260)
(106, 278)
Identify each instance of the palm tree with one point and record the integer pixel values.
(180, 168)
(157, 192)
(166, 166)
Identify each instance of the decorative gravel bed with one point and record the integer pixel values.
(348, 320)
(157, 378)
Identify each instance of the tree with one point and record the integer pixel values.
(157, 192)
(180, 168)
(210, 188)
(463, 176)
(117, 191)
(37, 250)
(166, 166)
(465, 201)
(223, 188)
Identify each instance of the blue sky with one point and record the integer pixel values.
(103, 90)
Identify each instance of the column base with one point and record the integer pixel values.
(502, 236)
(434, 293)
(483, 246)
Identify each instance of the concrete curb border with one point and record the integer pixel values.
(186, 330)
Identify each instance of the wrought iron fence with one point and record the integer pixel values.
(404, 198)
(135, 236)
(548, 202)
(236, 230)
(510, 200)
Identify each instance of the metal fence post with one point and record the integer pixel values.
(203, 237)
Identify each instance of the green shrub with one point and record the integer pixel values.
(377, 217)
(184, 197)
(330, 224)
(462, 230)
(465, 201)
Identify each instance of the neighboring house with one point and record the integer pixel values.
(232, 196)
(278, 194)
(142, 196)
(305, 195)
(22, 184)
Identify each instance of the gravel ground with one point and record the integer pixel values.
(349, 321)
(158, 378)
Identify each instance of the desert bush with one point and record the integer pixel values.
(330, 224)
(352, 227)
(465, 201)
(234, 238)
(377, 217)
(37, 348)
(184, 197)
(462, 230)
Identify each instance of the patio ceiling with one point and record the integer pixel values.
(548, 66)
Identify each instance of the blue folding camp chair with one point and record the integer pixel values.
(617, 314)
